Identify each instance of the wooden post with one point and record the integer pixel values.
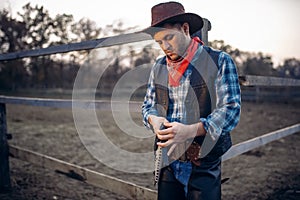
(204, 31)
(5, 184)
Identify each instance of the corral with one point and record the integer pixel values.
(257, 174)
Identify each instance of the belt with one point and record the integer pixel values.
(183, 154)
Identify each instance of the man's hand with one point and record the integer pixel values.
(176, 132)
(156, 122)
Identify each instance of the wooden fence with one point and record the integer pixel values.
(126, 189)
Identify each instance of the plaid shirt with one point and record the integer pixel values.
(226, 114)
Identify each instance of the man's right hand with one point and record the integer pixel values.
(156, 122)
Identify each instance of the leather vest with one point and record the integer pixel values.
(201, 96)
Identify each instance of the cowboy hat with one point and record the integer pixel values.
(173, 12)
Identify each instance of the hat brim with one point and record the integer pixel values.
(195, 22)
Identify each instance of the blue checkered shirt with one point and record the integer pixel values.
(226, 114)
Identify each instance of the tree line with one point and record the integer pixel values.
(34, 28)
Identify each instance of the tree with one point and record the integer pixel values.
(290, 68)
(34, 29)
(247, 62)
(62, 27)
(147, 55)
(259, 64)
(238, 56)
(12, 33)
(12, 74)
(39, 28)
(84, 30)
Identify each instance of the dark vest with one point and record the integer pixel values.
(201, 98)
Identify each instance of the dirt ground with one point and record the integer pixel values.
(269, 172)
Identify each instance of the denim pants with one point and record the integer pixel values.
(204, 183)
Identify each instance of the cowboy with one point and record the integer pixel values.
(193, 91)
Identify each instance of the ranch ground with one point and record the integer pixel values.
(270, 172)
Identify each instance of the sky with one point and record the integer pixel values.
(267, 26)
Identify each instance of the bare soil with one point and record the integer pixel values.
(269, 172)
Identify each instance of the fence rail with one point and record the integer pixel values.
(86, 45)
(253, 143)
(134, 105)
(112, 184)
(92, 44)
(103, 105)
(250, 80)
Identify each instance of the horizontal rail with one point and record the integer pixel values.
(104, 105)
(112, 184)
(248, 80)
(134, 106)
(251, 80)
(251, 144)
(86, 45)
(92, 44)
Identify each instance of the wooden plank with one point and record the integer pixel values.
(251, 144)
(5, 184)
(92, 44)
(112, 184)
(250, 80)
(104, 105)
(86, 45)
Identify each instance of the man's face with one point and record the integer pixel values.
(173, 40)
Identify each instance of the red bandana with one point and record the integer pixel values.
(177, 68)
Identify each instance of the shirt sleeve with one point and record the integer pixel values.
(226, 115)
(148, 107)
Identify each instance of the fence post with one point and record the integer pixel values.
(5, 184)
(204, 31)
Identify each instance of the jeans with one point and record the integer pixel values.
(204, 183)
